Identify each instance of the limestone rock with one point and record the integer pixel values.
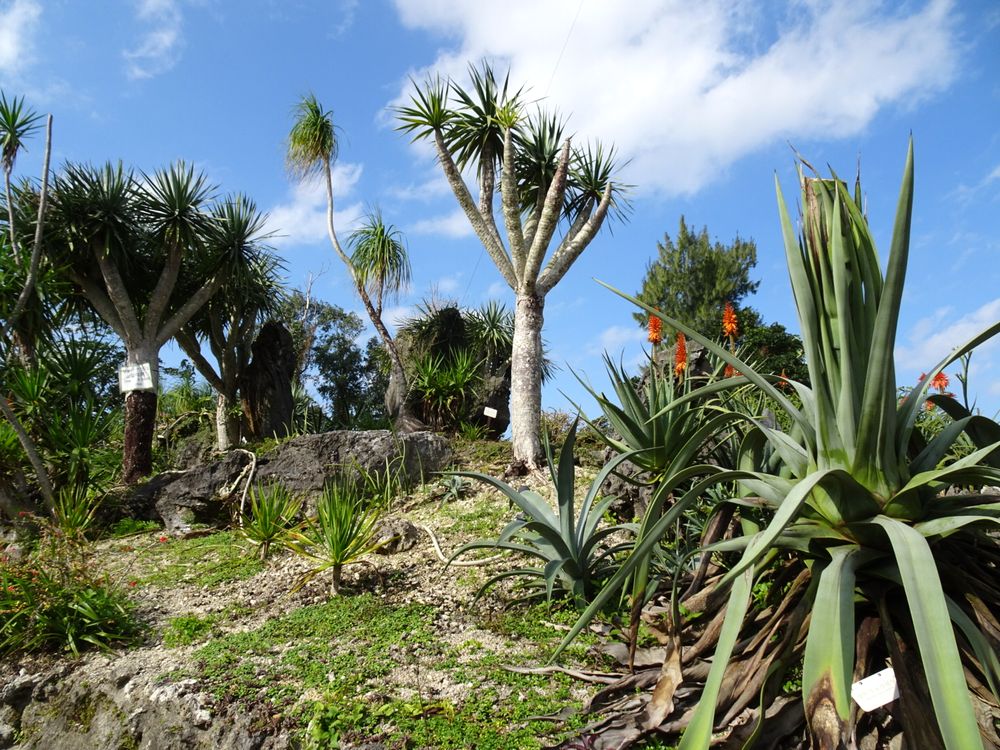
(395, 535)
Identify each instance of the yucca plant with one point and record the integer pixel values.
(74, 511)
(342, 533)
(856, 524)
(570, 543)
(273, 508)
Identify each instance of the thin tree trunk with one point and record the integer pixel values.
(526, 380)
(226, 427)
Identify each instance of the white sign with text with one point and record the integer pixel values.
(135, 377)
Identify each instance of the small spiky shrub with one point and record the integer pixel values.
(273, 509)
(570, 542)
(341, 534)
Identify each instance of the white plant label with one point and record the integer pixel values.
(875, 690)
(135, 377)
(490, 412)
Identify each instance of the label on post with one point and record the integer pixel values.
(490, 412)
(875, 690)
(135, 377)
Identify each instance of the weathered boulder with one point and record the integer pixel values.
(193, 496)
(266, 384)
(305, 463)
(395, 534)
(105, 704)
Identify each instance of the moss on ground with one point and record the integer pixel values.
(200, 561)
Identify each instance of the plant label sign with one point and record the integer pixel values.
(490, 412)
(135, 377)
(875, 690)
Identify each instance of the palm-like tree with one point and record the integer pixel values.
(16, 124)
(126, 241)
(230, 319)
(382, 267)
(544, 183)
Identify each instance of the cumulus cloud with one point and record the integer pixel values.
(18, 26)
(454, 225)
(615, 339)
(685, 89)
(159, 49)
(301, 220)
(934, 336)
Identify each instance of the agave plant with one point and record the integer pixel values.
(856, 524)
(570, 543)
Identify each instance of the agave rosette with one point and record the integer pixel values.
(859, 506)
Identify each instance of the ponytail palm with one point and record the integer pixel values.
(858, 513)
(381, 265)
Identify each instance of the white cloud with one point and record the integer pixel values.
(455, 225)
(446, 284)
(499, 290)
(302, 219)
(18, 25)
(396, 316)
(615, 339)
(936, 335)
(685, 89)
(159, 49)
(433, 187)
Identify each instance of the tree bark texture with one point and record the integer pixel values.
(526, 380)
(227, 424)
(140, 424)
(266, 385)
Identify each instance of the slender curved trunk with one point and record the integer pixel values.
(526, 380)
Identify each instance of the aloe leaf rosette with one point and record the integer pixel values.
(893, 544)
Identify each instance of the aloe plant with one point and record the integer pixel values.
(857, 511)
(568, 541)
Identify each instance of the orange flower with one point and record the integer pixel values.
(680, 356)
(730, 372)
(940, 382)
(730, 325)
(655, 330)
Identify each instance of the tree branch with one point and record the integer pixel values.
(189, 344)
(117, 293)
(567, 255)
(495, 249)
(160, 298)
(512, 207)
(187, 311)
(98, 297)
(549, 218)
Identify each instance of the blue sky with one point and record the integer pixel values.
(703, 98)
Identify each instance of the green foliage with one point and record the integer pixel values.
(569, 543)
(204, 561)
(342, 533)
(273, 509)
(124, 527)
(74, 511)
(379, 259)
(692, 278)
(858, 499)
(54, 601)
(184, 630)
(352, 380)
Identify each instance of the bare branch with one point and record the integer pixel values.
(549, 218)
(160, 298)
(189, 344)
(495, 249)
(118, 294)
(187, 311)
(512, 206)
(567, 255)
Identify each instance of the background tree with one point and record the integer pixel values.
(351, 379)
(125, 243)
(544, 184)
(16, 123)
(382, 266)
(231, 319)
(692, 278)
